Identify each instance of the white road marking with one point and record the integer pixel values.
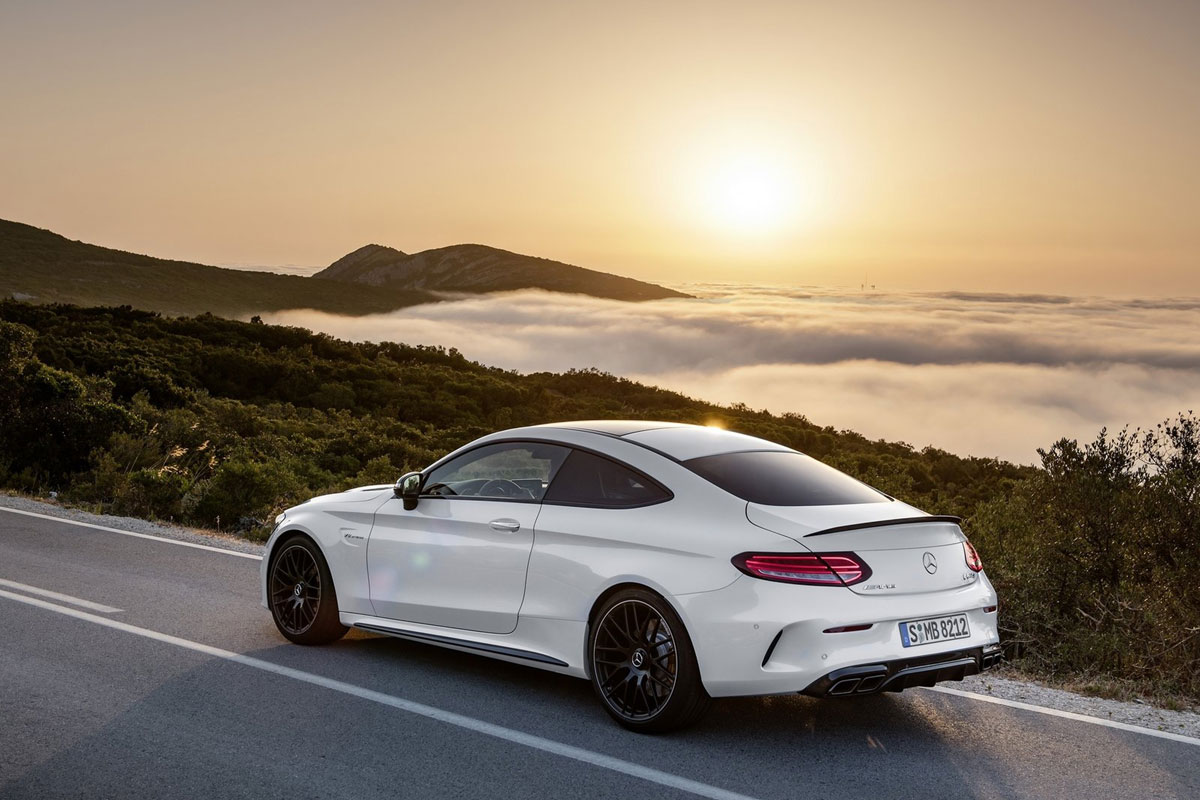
(1054, 712)
(131, 533)
(62, 598)
(469, 723)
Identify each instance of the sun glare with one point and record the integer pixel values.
(752, 195)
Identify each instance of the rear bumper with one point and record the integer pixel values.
(905, 673)
(758, 637)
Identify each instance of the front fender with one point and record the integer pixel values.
(341, 531)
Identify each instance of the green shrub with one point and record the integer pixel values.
(242, 490)
(1097, 559)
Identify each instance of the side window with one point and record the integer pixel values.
(587, 479)
(504, 471)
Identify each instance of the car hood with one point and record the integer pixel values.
(360, 495)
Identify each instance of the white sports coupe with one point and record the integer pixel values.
(666, 563)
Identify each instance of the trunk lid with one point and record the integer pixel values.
(908, 551)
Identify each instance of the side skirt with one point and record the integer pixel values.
(466, 644)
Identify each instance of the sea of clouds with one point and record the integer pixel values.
(973, 373)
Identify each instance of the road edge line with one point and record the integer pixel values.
(152, 537)
(1054, 712)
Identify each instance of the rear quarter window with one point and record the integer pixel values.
(585, 479)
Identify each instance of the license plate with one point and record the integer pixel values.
(937, 629)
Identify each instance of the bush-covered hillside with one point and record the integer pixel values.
(221, 424)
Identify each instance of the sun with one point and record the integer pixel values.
(751, 194)
(748, 190)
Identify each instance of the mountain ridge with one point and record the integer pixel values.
(42, 266)
(479, 268)
(363, 257)
(39, 265)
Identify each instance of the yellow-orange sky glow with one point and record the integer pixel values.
(1001, 146)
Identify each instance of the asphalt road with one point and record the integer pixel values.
(175, 683)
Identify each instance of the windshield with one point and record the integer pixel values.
(782, 478)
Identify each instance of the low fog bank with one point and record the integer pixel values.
(978, 374)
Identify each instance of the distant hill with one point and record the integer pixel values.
(479, 268)
(43, 267)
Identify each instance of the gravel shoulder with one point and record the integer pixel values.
(1185, 723)
(1006, 686)
(193, 535)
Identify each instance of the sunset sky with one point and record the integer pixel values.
(996, 146)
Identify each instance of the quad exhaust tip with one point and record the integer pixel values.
(867, 685)
(896, 676)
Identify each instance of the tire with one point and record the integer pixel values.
(642, 664)
(300, 593)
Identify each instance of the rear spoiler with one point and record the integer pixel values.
(883, 523)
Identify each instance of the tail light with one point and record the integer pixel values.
(812, 569)
(974, 562)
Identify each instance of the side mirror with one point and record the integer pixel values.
(408, 489)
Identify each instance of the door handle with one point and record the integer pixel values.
(505, 525)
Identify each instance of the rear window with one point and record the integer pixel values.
(780, 478)
(589, 480)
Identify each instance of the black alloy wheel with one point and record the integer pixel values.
(642, 664)
(301, 594)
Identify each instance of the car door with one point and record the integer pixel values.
(459, 558)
